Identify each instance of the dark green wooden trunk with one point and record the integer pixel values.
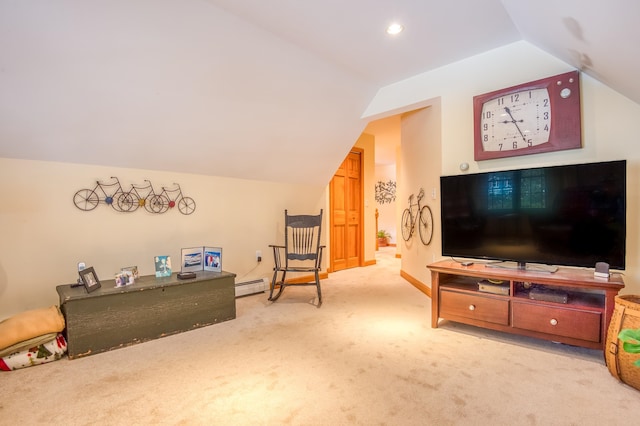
(110, 317)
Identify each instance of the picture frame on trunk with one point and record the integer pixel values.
(90, 279)
(191, 259)
(213, 259)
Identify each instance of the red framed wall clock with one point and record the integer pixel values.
(534, 117)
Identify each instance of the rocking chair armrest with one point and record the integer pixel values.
(319, 257)
(276, 255)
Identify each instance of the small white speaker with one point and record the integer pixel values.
(602, 270)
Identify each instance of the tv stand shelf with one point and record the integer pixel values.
(570, 305)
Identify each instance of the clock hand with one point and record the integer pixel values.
(513, 120)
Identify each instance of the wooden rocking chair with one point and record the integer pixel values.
(301, 252)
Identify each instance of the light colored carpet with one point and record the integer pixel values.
(368, 356)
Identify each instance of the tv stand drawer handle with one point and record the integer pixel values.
(553, 321)
(472, 307)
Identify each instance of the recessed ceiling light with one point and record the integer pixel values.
(394, 29)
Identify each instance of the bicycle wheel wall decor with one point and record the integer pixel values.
(112, 194)
(417, 215)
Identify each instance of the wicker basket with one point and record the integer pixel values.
(620, 363)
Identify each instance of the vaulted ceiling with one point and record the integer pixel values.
(270, 90)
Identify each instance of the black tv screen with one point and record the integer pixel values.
(572, 215)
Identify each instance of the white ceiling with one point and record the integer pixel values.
(351, 33)
(270, 90)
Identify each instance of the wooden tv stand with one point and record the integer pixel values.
(582, 321)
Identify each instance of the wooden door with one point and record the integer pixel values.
(346, 213)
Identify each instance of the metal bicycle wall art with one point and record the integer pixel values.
(385, 192)
(112, 194)
(416, 213)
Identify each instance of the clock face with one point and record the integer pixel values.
(539, 116)
(517, 120)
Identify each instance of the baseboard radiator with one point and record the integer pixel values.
(252, 287)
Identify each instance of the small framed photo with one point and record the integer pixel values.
(131, 270)
(90, 279)
(213, 259)
(191, 259)
(163, 266)
(125, 278)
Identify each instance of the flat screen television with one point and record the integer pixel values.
(570, 215)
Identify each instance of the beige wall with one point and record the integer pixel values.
(43, 235)
(609, 125)
(367, 143)
(421, 168)
(387, 134)
(387, 212)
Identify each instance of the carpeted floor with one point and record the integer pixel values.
(368, 356)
